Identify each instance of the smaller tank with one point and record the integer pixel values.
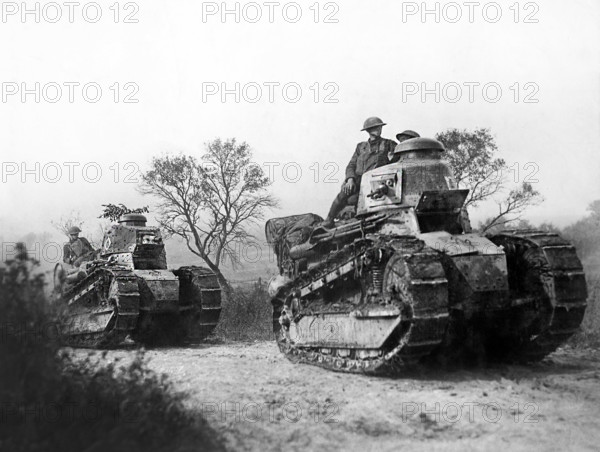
(129, 291)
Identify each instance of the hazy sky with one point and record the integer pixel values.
(371, 61)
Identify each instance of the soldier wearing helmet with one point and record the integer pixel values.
(402, 136)
(406, 135)
(368, 155)
(77, 250)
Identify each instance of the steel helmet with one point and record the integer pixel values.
(408, 133)
(373, 121)
(420, 144)
(74, 230)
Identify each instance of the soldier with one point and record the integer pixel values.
(367, 156)
(77, 250)
(402, 136)
(407, 135)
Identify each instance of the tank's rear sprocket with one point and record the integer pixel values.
(548, 294)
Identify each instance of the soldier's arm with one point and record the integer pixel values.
(351, 168)
(87, 244)
(393, 158)
(66, 254)
(392, 145)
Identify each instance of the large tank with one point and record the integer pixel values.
(407, 279)
(128, 291)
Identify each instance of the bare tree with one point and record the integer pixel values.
(511, 208)
(472, 157)
(66, 222)
(211, 203)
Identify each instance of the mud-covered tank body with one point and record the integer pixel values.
(407, 279)
(130, 291)
(132, 244)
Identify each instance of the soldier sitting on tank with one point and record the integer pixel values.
(77, 250)
(367, 156)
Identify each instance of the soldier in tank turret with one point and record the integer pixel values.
(406, 135)
(368, 155)
(402, 136)
(77, 250)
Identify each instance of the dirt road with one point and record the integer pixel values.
(258, 400)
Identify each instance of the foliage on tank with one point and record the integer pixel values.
(113, 211)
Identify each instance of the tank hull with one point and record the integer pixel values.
(384, 303)
(152, 307)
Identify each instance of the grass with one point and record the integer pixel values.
(246, 316)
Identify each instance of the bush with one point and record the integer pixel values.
(246, 316)
(589, 336)
(52, 401)
(29, 366)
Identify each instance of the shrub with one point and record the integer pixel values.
(246, 315)
(49, 400)
(589, 336)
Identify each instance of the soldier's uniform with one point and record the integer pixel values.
(77, 251)
(368, 155)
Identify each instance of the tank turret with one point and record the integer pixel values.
(420, 168)
(130, 242)
(133, 219)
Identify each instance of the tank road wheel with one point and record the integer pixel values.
(548, 295)
(199, 301)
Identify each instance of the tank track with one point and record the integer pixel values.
(548, 285)
(200, 290)
(103, 291)
(422, 303)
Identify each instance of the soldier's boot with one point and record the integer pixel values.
(336, 206)
(328, 223)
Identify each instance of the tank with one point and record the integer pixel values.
(127, 291)
(407, 280)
